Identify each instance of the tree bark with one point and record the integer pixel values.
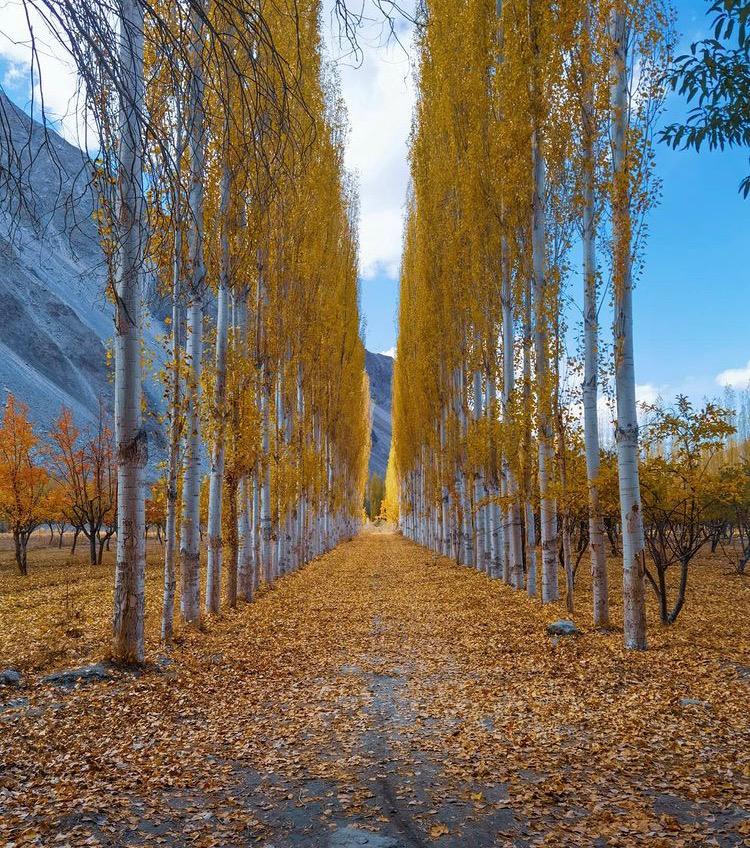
(633, 548)
(513, 514)
(599, 580)
(682, 588)
(213, 573)
(479, 517)
(529, 517)
(232, 541)
(175, 413)
(20, 547)
(547, 508)
(130, 437)
(191, 529)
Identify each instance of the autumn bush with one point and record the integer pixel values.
(25, 489)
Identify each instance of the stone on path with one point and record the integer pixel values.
(693, 702)
(353, 837)
(9, 677)
(14, 704)
(563, 627)
(84, 674)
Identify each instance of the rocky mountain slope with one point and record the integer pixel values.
(55, 320)
(379, 369)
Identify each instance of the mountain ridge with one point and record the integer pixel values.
(57, 323)
(379, 367)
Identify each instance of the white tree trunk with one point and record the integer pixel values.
(463, 498)
(445, 546)
(131, 439)
(191, 480)
(173, 459)
(255, 528)
(280, 444)
(495, 542)
(246, 581)
(506, 517)
(216, 481)
(530, 550)
(547, 509)
(634, 590)
(599, 587)
(190, 535)
(244, 533)
(479, 528)
(266, 563)
(513, 514)
(528, 508)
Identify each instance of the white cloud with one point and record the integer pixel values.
(55, 70)
(380, 243)
(737, 378)
(646, 393)
(379, 95)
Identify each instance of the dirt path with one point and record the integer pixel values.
(384, 698)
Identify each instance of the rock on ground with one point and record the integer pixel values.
(563, 627)
(84, 674)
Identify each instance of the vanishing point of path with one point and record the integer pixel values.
(382, 697)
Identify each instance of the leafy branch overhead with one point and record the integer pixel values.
(714, 79)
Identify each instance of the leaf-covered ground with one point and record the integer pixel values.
(380, 697)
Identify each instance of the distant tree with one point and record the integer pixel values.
(57, 519)
(83, 462)
(573, 500)
(390, 497)
(24, 482)
(374, 496)
(609, 500)
(679, 490)
(736, 509)
(203, 506)
(156, 507)
(715, 78)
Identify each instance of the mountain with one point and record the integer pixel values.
(55, 319)
(379, 369)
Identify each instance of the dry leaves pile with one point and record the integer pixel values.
(384, 689)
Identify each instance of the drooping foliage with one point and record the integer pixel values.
(537, 141)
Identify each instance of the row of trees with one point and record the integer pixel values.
(538, 141)
(220, 174)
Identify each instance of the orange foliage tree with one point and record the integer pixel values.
(156, 507)
(83, 462)
(24, 482)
